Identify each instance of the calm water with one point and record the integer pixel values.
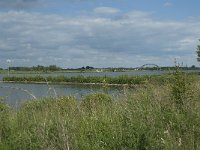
(14, 93)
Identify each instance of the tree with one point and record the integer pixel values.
(53, 68)
(198, 52)
(89, 67)
(193, 66)
(83, 68)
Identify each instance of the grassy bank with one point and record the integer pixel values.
(47, 72)
(155, 117)
(89, 79)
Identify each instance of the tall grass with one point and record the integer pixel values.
(153, 117)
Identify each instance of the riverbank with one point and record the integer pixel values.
(70, 83)
(90, 80)
(66, 71)
(155, 117)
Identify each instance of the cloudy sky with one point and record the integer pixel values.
(99, 33)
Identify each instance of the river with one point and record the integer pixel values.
(16, 93)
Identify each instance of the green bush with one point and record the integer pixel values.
(180, 88)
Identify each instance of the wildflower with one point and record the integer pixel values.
(162, 141)
(166, 132)
(179, 142)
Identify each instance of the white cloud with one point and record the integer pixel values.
(132, 39)
(106, 10)
(168, 4)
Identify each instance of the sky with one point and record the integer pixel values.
(98, 33)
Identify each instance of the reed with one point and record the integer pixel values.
(125, 79)
(153, 117)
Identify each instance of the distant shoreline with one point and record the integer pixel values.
(70, 83)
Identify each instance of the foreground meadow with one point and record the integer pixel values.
(154, 116)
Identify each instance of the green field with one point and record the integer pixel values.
(156, 116)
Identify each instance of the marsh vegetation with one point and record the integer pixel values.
(155, 116)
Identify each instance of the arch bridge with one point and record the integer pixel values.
(149, 66)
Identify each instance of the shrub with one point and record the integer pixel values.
(180, 88)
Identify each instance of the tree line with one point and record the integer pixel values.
(37, 68)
